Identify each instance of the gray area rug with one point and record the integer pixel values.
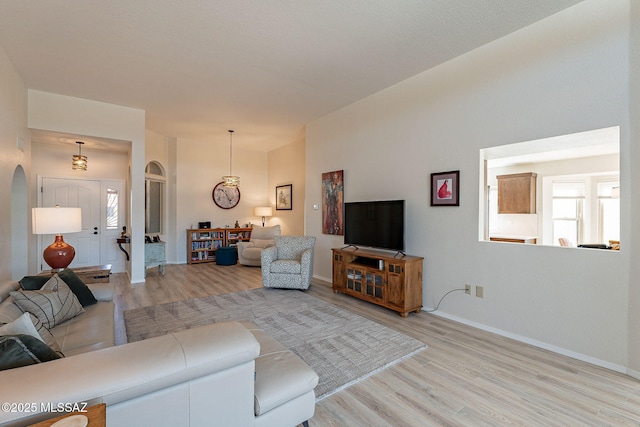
(340, 346)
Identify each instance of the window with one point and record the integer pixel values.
(608, 210)
(112, 209)
(568, 205)
(154, 198)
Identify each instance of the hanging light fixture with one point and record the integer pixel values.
(79, 162)
(231, 181)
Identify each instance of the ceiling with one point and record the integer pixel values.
(261, 67)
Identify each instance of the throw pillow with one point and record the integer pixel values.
(33, 283)
(28, 324)
(23, 350)
(53, 304)
(21, 326)
(78, 287)
(46, 335)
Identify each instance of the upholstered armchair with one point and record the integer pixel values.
(289, 263)
(261, 237)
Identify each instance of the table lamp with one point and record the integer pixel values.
(263, 212)
(57, 221)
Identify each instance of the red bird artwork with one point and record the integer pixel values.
(443, 191)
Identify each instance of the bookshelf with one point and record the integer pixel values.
(235, 235)
(202, 243)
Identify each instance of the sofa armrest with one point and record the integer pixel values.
(143, 370)
(101, 291)
(306, 262)
(244, 245)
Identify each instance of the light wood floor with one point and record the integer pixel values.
(467, 377)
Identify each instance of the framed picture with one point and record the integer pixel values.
(332, 202)
(283, 197)
(445, 188)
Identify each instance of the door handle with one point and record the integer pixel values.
(95, 230)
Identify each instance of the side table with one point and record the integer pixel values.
(96, 414)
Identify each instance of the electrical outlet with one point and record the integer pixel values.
(467, 289)
(480, 291)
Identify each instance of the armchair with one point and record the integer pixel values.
(261, 237)
(289, 263)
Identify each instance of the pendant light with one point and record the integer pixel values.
(231, 181)
(79, 162)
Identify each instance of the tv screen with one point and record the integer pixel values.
(378, 224)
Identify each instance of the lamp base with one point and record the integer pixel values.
(59, 254)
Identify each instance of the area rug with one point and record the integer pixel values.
(342, 347)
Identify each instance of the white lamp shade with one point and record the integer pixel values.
(263, 211)
(56, 220)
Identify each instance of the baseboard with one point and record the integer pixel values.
(540, 344)
(633, 373)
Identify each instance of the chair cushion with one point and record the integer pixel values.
(291, 247)
(252, 254)
(265, 233)
(287, 266)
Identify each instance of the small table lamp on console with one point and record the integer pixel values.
(263, 212)
(57, 221)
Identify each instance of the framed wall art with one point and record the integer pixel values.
(445, 188)
(332, 202)
(284, 197)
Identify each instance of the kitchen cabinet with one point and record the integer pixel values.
(517, 193)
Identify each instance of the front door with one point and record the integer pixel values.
(74, 193)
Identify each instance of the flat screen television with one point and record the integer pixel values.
(378, 224)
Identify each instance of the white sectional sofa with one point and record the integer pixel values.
(224, 374)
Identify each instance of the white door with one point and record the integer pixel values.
(84, 194)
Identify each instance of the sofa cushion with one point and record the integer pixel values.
(33, 283)
(93, 330)
(78, 287)
(23, 350)
(28, 324)
(9, 311)
(53, 304)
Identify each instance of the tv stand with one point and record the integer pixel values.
(382, 279)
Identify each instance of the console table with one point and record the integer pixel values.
(393, 282)
(154, 255)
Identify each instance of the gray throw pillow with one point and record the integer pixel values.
(78, 287)
(23, 350)
(33, 283)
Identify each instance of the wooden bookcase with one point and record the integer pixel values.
(202, 243)
(235, 235)
(394, 282)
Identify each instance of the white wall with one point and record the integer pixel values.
(13, 124)
(286, 166)
(200, 166)
(633, 157)
(568, 73)
(59, 113)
